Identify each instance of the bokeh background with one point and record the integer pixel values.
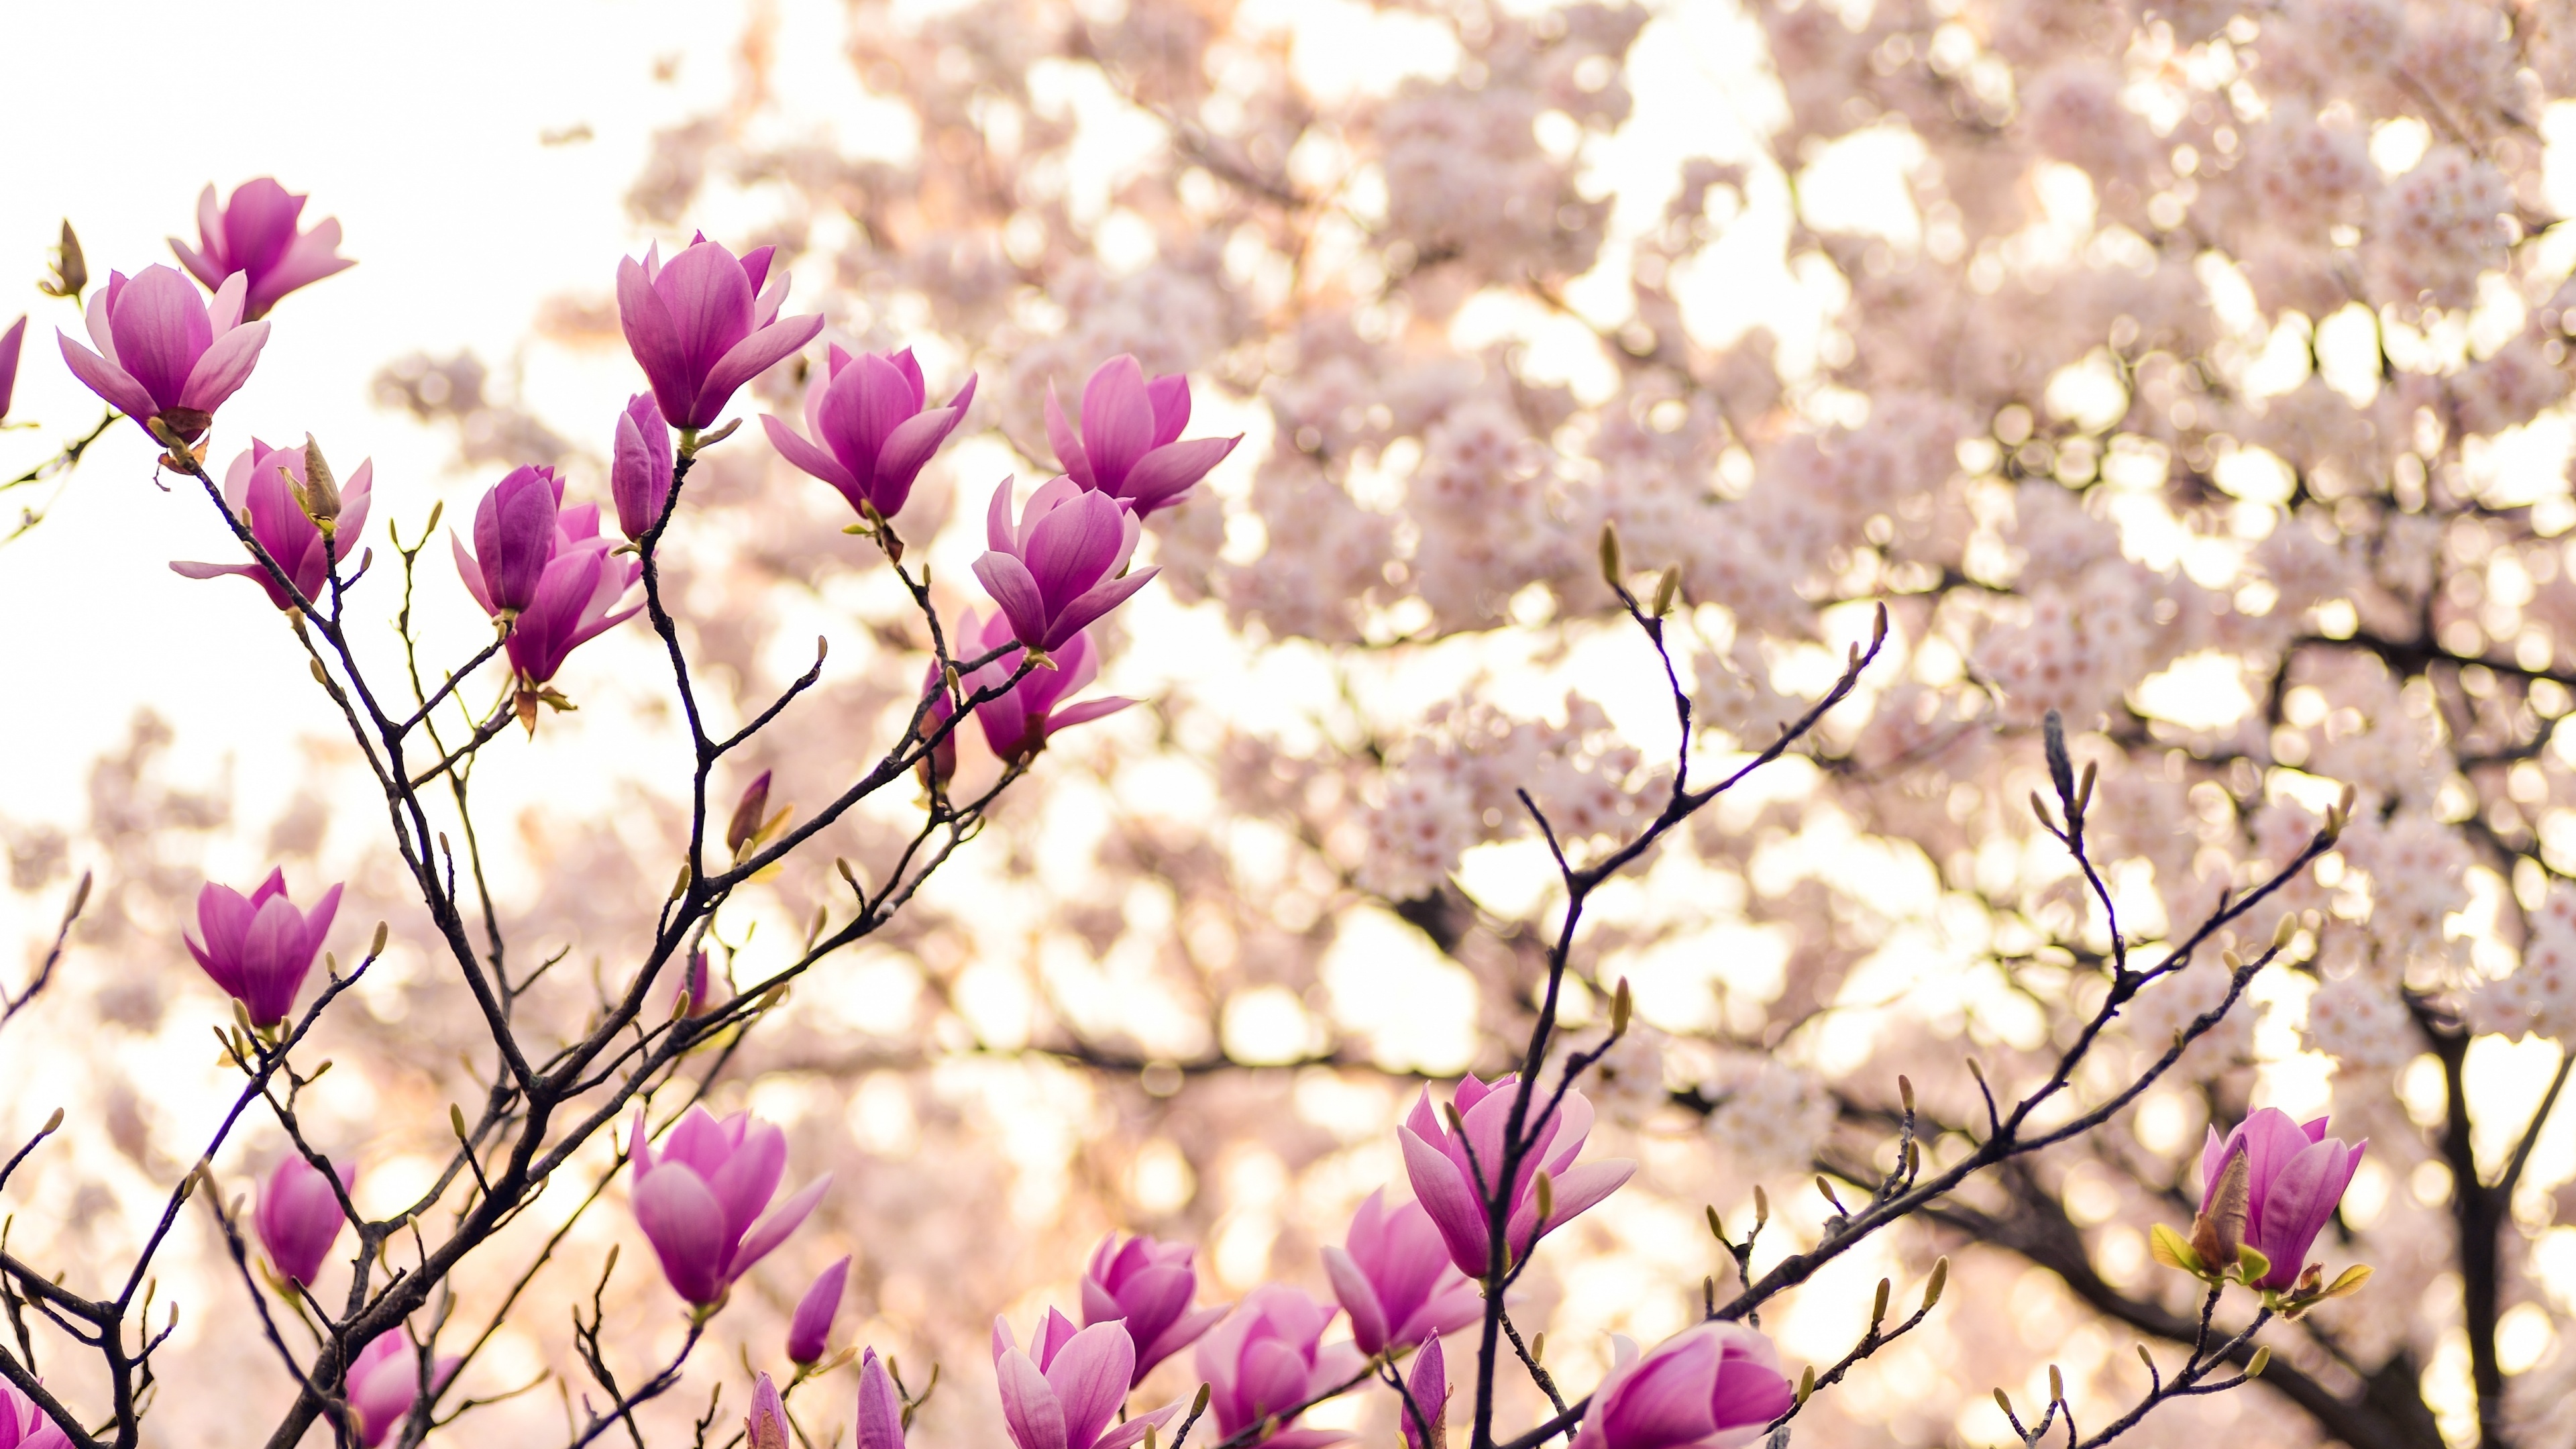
(2055, 325)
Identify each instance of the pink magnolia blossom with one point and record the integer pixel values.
(163, 352)
(1021, 721)
(872, 428)
(704, 323)
(24, 1426)
(1064, 1392)
(1716, 1386)
(516, 533)
(1147, 1284)
(2296, 1175)
(384, 1381)
(700, 1200)
(1428, 1386)
(1268, 1360)
(1394, 1277)
(260, 489)
(254, 233)
(1063, 564)
(810, 1332)
(576, 602)
(1129, 446)
(639, 473)
(259, 947)
(299, 1215)
(10, 343)
(880, 1424)
(1446, 1183)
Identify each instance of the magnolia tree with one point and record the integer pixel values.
(2035, 739)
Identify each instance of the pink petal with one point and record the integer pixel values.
(1117, 420)
(773, 1229)
(685, 1225)
(224, 367)
(1358, 1299)
(1167, 471)
(1090, 1375)
(1029, 1407)
(1444, 1193)
(1067, 444)
(109, 381)
(1008, 581)
(753, 356)
(810, 458)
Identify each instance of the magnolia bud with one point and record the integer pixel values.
(1538, 1349)
(748, 812)
(2262, 1361)
(1668, 590)
(1761, 1206)
(1610, 554)
(1622, 1003)
(1905, 1093)
(456, 1120)
(1806, 1384)
(1878, 1305)
(1546, 1198)
(1939, 1280)
(2056, 1385)
(1199, 1405)
(52, 1123)
(1716, 1229)
(2286, 932)
(71, 269)
(320, 493)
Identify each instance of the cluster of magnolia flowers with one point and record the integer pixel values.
(701, 325)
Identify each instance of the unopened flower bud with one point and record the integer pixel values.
(748, 813)
(1623, 1002)
(376, 947)
(71, 269)
(1806, 1384)
(1610, 554)
(2056, 1385)
(766, 1425)
(1761, 1206)
(319, 492)
(2262, 1361)
(2286, 932)
(1668, 590)
(1939, 1280)
(1546, 1197)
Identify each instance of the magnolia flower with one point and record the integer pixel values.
(765, 1427)
(260, 488)
(254, 234)
(1446, 1182)
(1063, 564)
(810, 1332)
(384, 1380)
(1067, 1395)
(1148, 1285)
(880, 1407)
(515, 537)
(163, 353)
(1716, 1386)
(2295, 1175)
(1129, 446)
(24, 1426)
(700, 1200)
(259, 947)
(10, 342)
(1395, 1280)
(1267, 1360)
(872, 428)
(1019, 722)
(576, 602)
(639, 472)
(1428, 1387)
(705, 323)
(300, 1217)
